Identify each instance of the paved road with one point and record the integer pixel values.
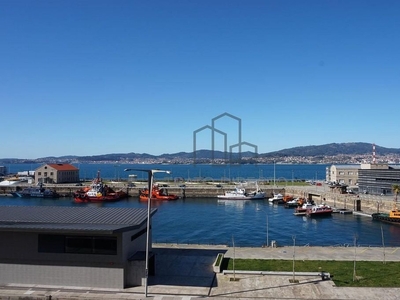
(185, 272)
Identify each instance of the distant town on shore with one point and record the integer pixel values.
(334, 153)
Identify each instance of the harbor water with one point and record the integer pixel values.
(247, 223)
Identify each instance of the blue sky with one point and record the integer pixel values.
(99, 77)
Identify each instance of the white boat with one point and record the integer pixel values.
(242, 194)
(276, 198)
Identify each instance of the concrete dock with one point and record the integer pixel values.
(185, 272)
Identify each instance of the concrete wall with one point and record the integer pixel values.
(134, 270)
(62, 275)
(369, 203)
(20, 262)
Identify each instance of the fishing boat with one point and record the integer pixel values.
(240, 193)
(157, 193)
(277, 198)
(98, 192)
(301, 210)
(392, 217)
(321, 210)
(288, 198)
(292, 203)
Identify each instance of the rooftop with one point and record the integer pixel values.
(105, 220)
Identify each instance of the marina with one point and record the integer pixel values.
(202, 218)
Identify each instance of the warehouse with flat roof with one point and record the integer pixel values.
(74, 246)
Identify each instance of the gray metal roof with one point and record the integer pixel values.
(67, 218)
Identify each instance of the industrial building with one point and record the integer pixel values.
(378, 179)
(74, 246)
(372, 178)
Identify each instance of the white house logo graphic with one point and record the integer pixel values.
(214, 130)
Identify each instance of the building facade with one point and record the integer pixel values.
(372, 178)
(73, 246)
(344, 174)
(378, 179)
(57, 173)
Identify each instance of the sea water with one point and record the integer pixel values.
(279, 172)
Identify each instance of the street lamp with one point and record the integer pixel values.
(294, 251)
(150, 174)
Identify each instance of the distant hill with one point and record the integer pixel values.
(327, 150)
(333, 149)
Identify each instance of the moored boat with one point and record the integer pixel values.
(157, 193)
(37, 192)
(288, 198)
(242, 194)
(301, 210)
(277, 198)
(321, 210)
(98, 192)
(292, 203)
(392, 217)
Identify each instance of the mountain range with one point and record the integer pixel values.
(331, 150)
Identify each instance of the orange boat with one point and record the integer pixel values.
(157, 194)
(98, 192)
(287, 198)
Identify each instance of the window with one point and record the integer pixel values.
(78, 245)
(105, 245)
(51, 243)
(48, 243)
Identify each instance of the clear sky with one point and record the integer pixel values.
(95, 77)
